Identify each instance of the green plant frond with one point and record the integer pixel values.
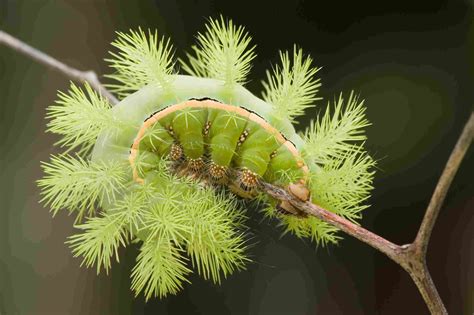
(222, 53)
(292, 87)
(337, 132)
(100, 241)
(215, 246)
(160, 269)
(77, 185)
(79, 117)
(141, 59)
(343, 184)
(320, 232)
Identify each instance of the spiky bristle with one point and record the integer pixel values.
(215, 247)
(100, 240)
(222, 53)
(141, 59)
(341, 172)
(160, 269)
(344, 184)
(337, 132)
(292, 87)
(320, 232)
(79, 117)
(78, 185)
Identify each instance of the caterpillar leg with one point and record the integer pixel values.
(298, 190)
(284, 207)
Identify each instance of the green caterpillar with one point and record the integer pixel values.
(234, 137)
(151, 168)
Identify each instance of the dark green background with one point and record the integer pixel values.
(413, 62)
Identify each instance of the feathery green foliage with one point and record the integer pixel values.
(141, 60)
(337, 132)
(292, 87)
(79, 117)
(222, 53)
(78, 185)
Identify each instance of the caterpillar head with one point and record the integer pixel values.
(167, 164)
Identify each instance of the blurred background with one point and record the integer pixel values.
(413, 63)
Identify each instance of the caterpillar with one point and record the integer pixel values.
(232, 145)
(166, 166)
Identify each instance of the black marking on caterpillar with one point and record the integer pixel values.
(205, 98)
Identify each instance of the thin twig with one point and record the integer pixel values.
(345, 225)
(413, 264)
(76, 75)
(424, 233)
(411, 257)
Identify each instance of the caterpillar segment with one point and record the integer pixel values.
(221, 144)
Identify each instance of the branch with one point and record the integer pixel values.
(74, 74)
(411, 257)
(345, 225)
(402, 255)
(424, 233)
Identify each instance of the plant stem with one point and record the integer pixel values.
(424, 233)
(76, 75)
(411, 257)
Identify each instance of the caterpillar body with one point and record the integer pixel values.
(151, 168)
(234, 145)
